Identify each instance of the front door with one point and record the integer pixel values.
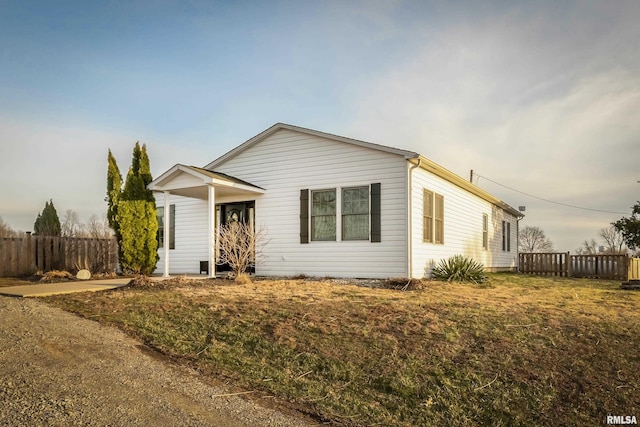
(228, 213)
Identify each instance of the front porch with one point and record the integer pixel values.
(222, 194)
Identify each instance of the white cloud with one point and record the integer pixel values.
(544, 110)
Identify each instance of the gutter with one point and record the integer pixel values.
(447, 175)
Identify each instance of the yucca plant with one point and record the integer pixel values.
(459, 269)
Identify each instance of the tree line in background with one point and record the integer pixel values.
(131, 216)
(7, 231)
(610, 242)
(621, 237)
(48, 224)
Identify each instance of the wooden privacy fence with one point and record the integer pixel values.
(566, 265)
(20, 256)
(634, 268)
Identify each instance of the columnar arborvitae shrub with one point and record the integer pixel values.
(132, 214)
(459, 269)
(114, 188)
(138, 244)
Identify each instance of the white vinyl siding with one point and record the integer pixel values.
(288, 161)
(191, 238)
(461, 233)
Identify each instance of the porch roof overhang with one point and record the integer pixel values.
(192, 181)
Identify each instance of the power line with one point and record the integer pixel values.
(547, 200)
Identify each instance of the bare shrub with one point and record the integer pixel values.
(402, 284)
(98, 227)
(239, 246)
(141, 281)
(56, 275)
(242, 279)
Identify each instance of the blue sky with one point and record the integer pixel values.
(541, 96)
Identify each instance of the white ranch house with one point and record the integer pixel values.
(331, 206)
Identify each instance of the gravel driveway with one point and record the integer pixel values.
(57, 369)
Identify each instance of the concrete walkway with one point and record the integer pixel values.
(47, 289)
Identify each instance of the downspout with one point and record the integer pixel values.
(410, 221)
(518, 218)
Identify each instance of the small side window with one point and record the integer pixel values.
(485, 231)
(172, 226)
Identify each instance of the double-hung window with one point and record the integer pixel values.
(506, 236)
(355, 213)
(341, 213)
(323, 214)
(432, 217)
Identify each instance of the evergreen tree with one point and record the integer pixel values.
(47, 223)
(145, 172)
(136, 218)
(114, 188)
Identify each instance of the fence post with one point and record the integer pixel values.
(569, 265)
(626, 270)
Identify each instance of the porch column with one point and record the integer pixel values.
(212, 232)
(165, 236)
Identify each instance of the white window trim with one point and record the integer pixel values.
(338, 190)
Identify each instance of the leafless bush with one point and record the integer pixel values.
(242, 279)
(56, 275)
(98, 227)
(402, 284)
(239, 246)
(141, 281)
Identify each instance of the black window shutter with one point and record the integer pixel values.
(304, 216)
(375, 212)
(172, 226)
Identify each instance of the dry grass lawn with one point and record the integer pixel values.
(517, 350)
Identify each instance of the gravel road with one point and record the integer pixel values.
(57, 369)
